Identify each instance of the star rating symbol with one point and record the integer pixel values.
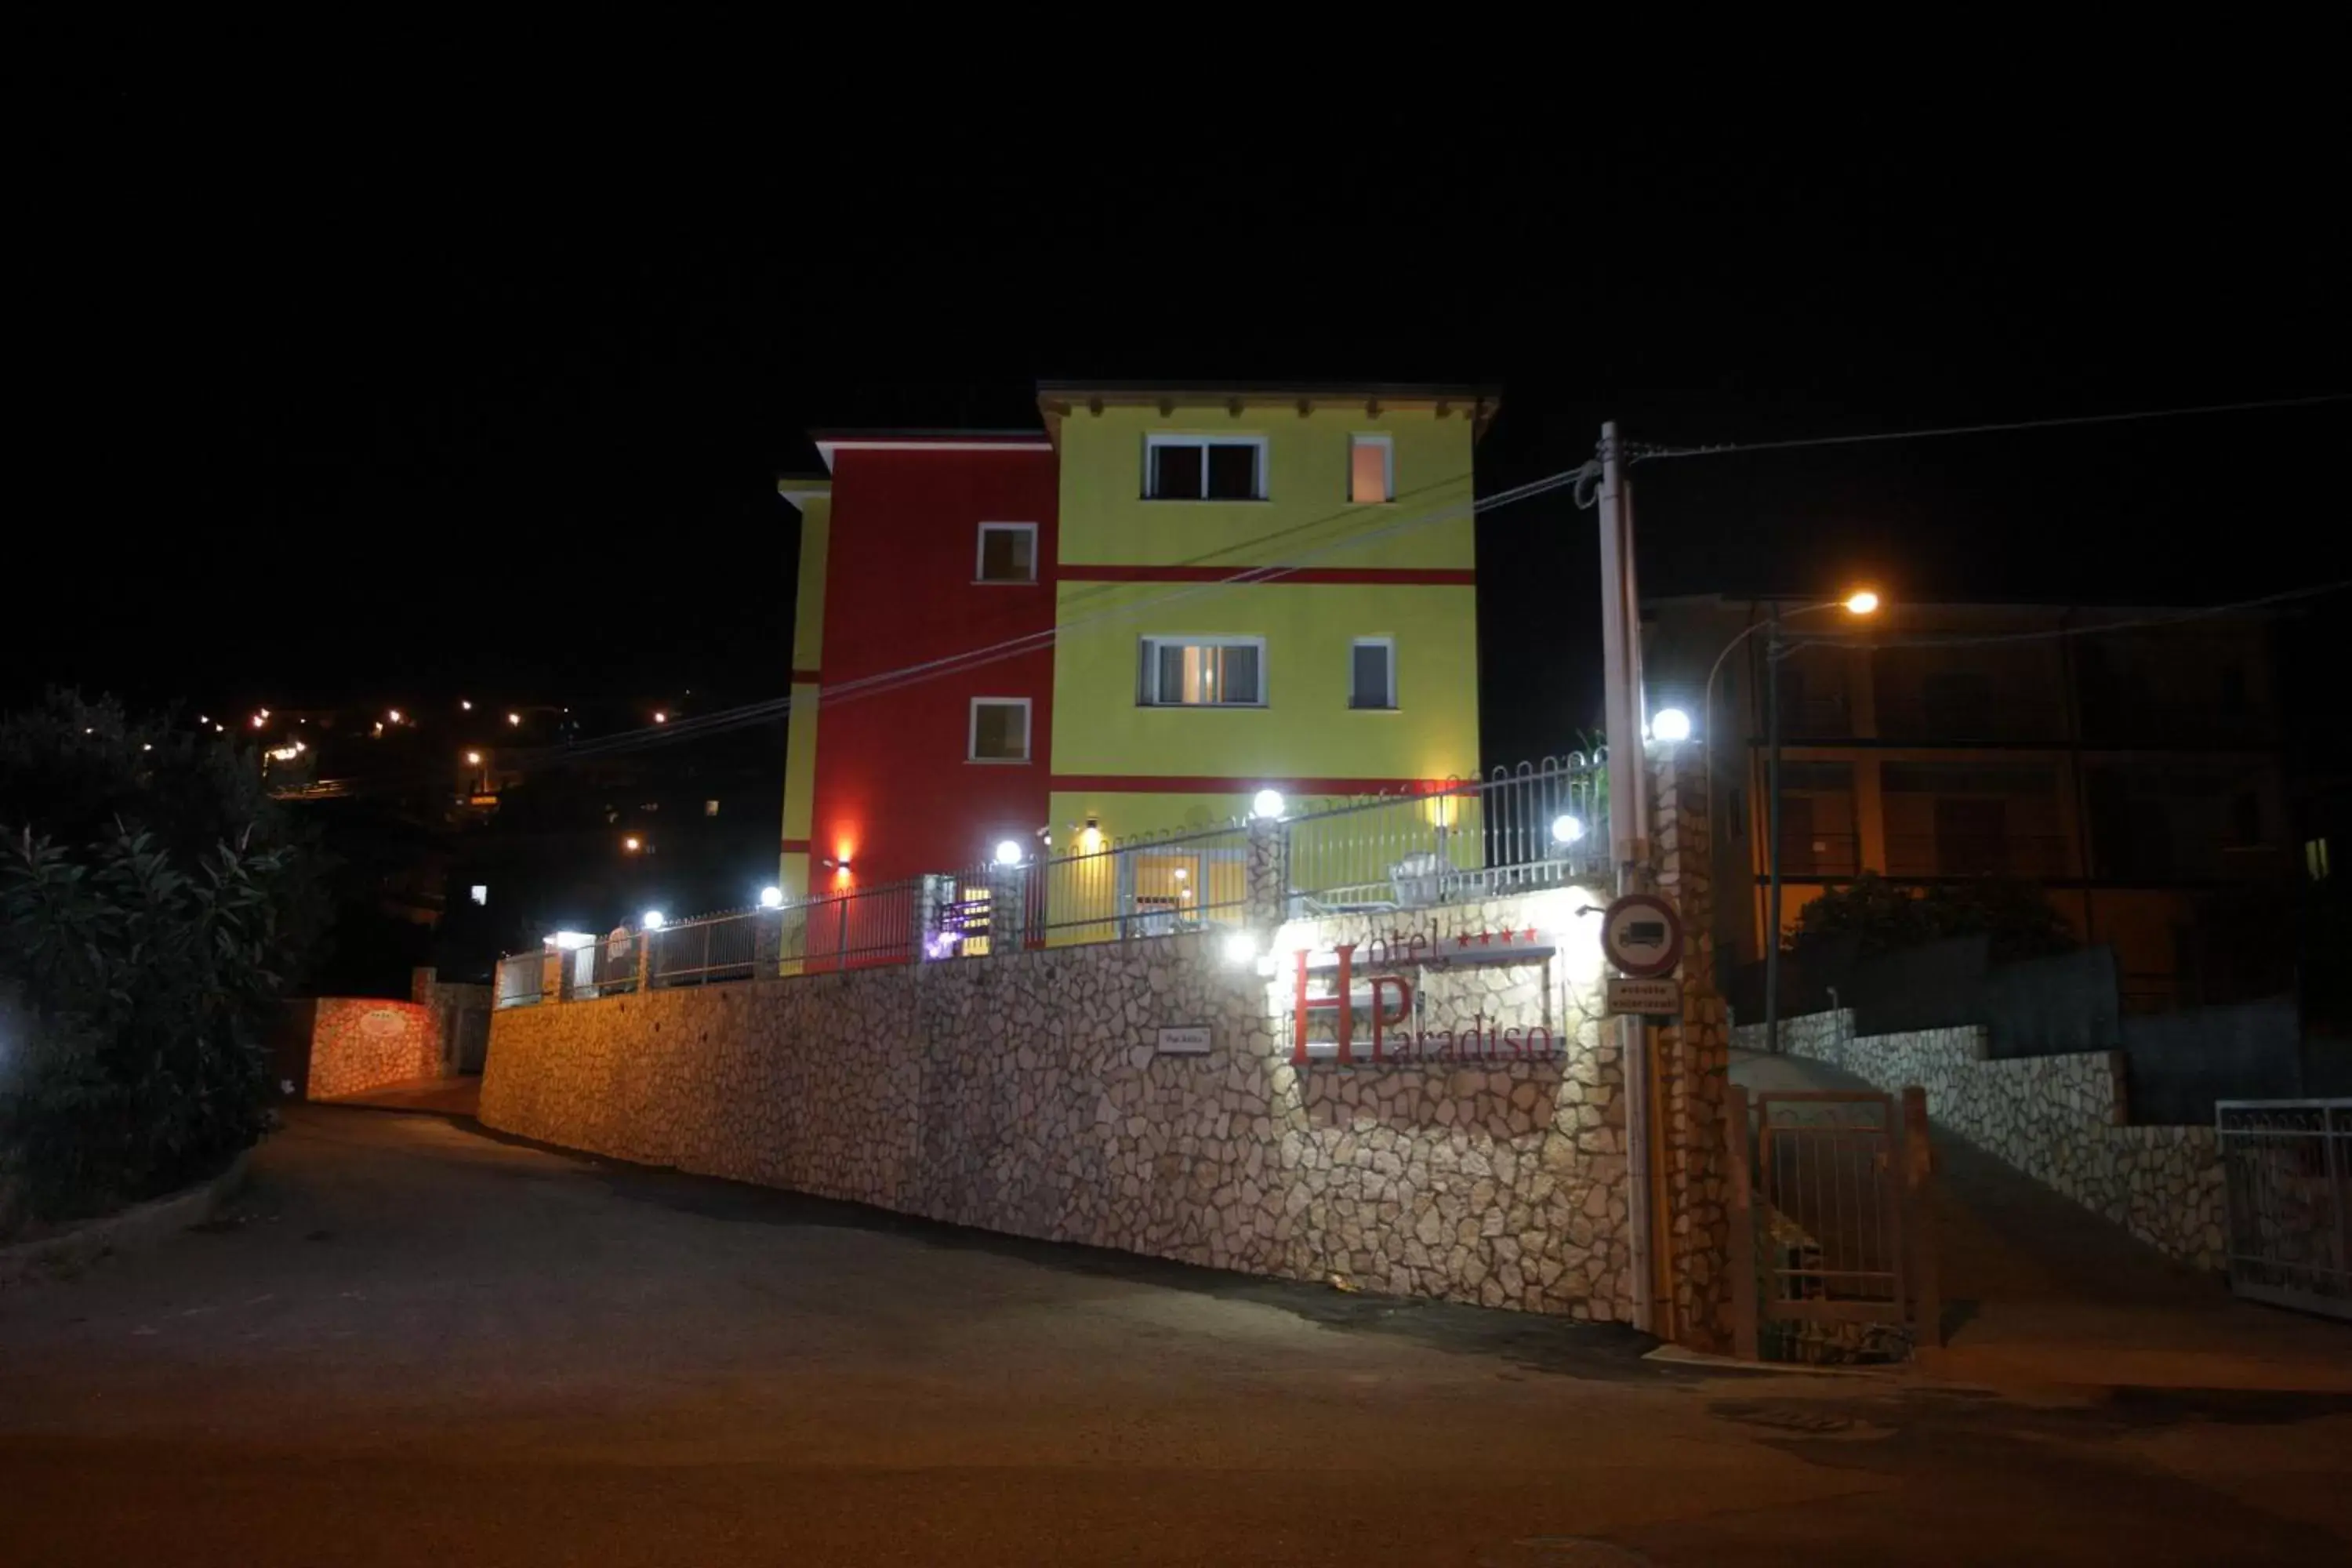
(1507, 937)
(1485, 939)
(1531, 935)
(1462, 940)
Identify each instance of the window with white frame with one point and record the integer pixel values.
(1371, 469)
(999, 730)
(1202, 672)
(1008, 553)
(1371, 673)
(1204, 468)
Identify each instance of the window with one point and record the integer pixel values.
(709, 808)
(1371, 673)
(1204, 468)
(1202, 672)
(1008, 553)
(1371, 469)
(999, 730)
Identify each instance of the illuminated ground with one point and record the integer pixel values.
(415, 1343)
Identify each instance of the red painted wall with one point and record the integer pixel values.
(893, 788)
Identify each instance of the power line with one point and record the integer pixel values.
(1640, 453)
(884, 681)
(1899, 640)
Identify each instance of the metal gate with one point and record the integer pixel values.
(2286, 1163)
(1829, 1192)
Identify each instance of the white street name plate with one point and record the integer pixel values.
(1184, 1040)
(1654, 998)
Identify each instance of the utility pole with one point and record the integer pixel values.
(1628, 833)
(1772, 827)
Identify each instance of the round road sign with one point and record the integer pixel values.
(1642, 935)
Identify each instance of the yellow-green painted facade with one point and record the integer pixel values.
(1404, 574)
(814, 498)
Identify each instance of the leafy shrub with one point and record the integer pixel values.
(2016, 916)
(152, 900)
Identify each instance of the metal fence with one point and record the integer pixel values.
(1528, 827)
(1537, 826)
(2287, 1165)
(1833, 1250)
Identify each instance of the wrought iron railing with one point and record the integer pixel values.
(1532, 827)
(1524, 828)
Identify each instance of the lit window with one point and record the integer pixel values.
(709, 808)
(999, 730)
(1202, 672)
(1371, 469)
(1008, 553)
(479, 893)
(1204, 468)
(1371, 673)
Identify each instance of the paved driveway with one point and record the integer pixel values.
(413, 1343)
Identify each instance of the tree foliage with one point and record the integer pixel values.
(152, 903)
(2015, 915)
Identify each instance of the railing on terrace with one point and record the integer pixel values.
(1533, 826)
(1525, 828)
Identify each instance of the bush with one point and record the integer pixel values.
(151, 902)
(2016, 916)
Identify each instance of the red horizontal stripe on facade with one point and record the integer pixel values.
(1180, 783)
(795, 846)
(806, 676)
(1410, 576)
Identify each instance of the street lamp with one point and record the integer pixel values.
(1860, 602)
(1008, 853)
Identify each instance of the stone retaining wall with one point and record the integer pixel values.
(1024, 1093)
(2061, 1120)
(357, 1043)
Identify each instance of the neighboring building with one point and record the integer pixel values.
(1139, 689)
(2135, 774)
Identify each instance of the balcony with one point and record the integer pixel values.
(2001, 715)
(1978, 855)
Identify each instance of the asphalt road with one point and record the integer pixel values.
(413, 1342)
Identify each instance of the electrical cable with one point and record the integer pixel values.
(1930, 639)
(882, 682)
(1644, 453)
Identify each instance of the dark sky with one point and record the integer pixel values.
(373, 391)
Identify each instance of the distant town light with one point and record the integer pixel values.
(393, 715)
(1566, 830)
(771, 897)
(631, 844)
(465, 706)
(473, 759)
(1266, 802)
(1862, 601)
(515, 719)
(1670, 724)
(652, 921)
(261, 718)
(660, 717)
(1008, 853)
(479, 892)
(147, 746)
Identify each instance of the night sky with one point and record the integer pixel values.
(382, 396)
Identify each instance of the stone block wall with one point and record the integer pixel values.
(1693, 1059)
(1024, 1093)
(360, 1043)
(2062, 1120)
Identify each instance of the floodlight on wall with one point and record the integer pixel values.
(1008, 853)
(1670, 724)
(653, 920)
(771, 897)
(1266, 803)
(1566, 830)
